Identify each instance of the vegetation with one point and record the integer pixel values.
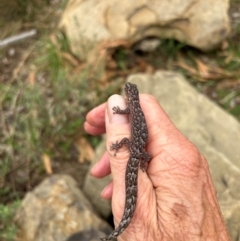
(46, 92)
(7, 228)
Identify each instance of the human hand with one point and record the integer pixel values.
(176, 196)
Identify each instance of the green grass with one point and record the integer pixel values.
(170, 47)
(45, 116)
(42, 116)
(121, 58)
(7, 226)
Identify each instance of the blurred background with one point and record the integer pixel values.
(46, 89)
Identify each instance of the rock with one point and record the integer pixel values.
(55, 210)
(203, 24)
(86, 235)
(93, 187)
(215, 132)
(147, 45)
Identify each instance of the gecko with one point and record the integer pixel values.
(138, 156)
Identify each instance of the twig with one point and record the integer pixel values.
(18, 37)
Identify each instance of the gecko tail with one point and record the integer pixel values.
(114, 234)
(131, 198)
(122, 226)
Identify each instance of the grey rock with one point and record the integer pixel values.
(56, 209)
(88, 235)
(147, 45)
(92, 187)
(215, 132)
(203, 24)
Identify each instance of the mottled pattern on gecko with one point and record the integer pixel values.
(138, 156)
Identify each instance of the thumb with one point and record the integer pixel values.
(117, 128)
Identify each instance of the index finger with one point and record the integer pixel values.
(95, 120)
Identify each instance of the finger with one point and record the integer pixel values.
(158, 122)
(92, 130)
(96, 117)
(117, 128)
(102, 167)
(107, 191)
(163, 134)
(172, 153)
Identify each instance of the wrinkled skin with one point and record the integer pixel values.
(176, 196)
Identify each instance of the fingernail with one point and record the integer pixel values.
(117, 100)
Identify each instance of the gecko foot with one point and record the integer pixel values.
(145, 158)
(116, 109)
(117, 145)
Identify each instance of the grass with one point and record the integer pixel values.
(44, 116)
(7, 226)
(43, 112)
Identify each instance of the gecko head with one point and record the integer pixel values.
(131, 92)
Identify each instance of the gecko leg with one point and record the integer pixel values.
(117, 110)
(124, 141)
(144, 159)
(115, 146)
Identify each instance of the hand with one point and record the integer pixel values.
(176, 196)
